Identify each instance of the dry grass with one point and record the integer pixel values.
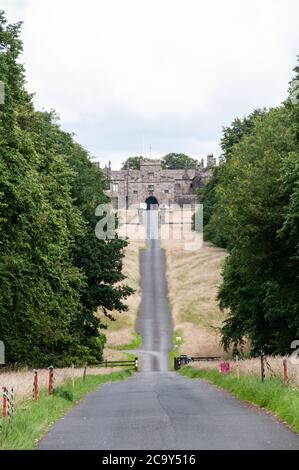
(253, 367)
(121, 331)
(193, 278)
(22, 381)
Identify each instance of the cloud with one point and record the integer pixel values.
(171, 71)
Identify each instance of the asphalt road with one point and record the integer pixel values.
(154, 319)
(158, 409)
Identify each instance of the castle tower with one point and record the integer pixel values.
(211, 160)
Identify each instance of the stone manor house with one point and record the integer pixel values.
(154, 185)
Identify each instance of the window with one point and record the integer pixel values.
(150, 173)
(135, 192)
(166, 191)
(150, 187)
(177, 186)
(115, 187)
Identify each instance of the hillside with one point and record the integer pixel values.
(193, 278)
(121, 331)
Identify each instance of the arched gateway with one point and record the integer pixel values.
(151, 203)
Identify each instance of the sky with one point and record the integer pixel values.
(150, 77)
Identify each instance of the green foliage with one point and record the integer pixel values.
(270, 394)
(213, 216)
(258, 194)
(63, 393)
(54, 272)
(239, 128)
(207, 197)
(252, 209)
(132, 163)
(178, 161)
(134, 344)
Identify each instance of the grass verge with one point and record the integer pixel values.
(32, 419)
(177, 341)
(134, 344)
(271, 394)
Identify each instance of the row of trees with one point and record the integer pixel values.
(54, 272)
(171, 161)
(251, 207)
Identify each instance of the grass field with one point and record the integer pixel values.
(121, 333)
(271, 394)
(193, 278)
(32, 419)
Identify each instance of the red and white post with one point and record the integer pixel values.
(35, 385)
(4, 397)
(51, 376)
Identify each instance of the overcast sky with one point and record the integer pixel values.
(125, 75)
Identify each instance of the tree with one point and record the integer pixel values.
(215, 215)
(54, 273)
(40, 286)
(133, 163)
(257, 196)
(99, 260)
(178, 161)
(233, 134)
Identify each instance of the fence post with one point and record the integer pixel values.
(35, 385)
(136, 364)
(50, 386)
(106, 362)
(285, 371)
(262, 366)
(4, 396)
(11, 403)
(84, 372)
(73, 376)
(177, 363)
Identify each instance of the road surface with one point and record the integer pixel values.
(154, 319)
(159, 409)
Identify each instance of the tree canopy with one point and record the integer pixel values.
(132, 163)
(178, 161)
(56, 276)
(252, 209)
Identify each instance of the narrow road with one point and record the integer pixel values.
(158, 409)
(154, 322)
